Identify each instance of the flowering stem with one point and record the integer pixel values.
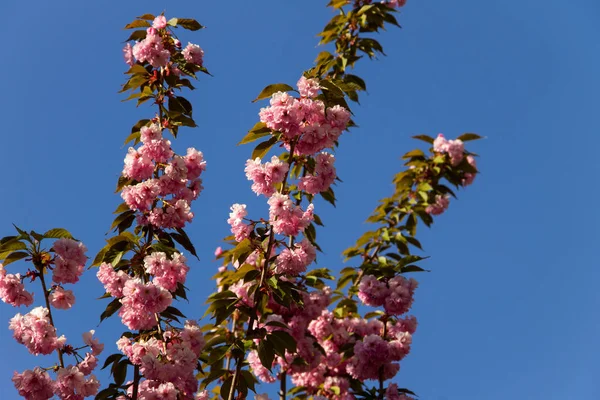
(136, 382)
(381, 378)
(282, 390)
(240, 358)
(46, 295)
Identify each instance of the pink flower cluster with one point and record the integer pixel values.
(152, 49)
(34, 385)
(140, 302)
(158, 48)
(325, 175)
(469, 177)
(395, 3)
(167, 273)
(69, 261)
(454, 148)
(193, 54)
(441, 204)
(313, 324)
(266, 176)
(168, 183)
(396, 296)
(61, 298)
(286, 217)
(71, 384)
(294, 261)
(113, 281)
(168, 364)
(392, 393)
(305, 119)
(12, 290)
(34, 331)
(239, 228)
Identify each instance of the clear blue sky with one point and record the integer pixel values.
(511, 307)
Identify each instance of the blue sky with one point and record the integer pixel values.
(510, 307)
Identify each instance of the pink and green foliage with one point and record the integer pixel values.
(273, 317)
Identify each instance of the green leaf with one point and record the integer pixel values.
(259, 130)
(424, 138)
(285, 339)
(148, 17)
(183, 239)
(137, 35)
(412, 268)
(120, 372)
(271, 89)
(187, 23)
(112, 358)
(266, 354)
(263, 148)
(337, 3)
(329, 196)
(58, 233)
(16, 256)
(226, 388)
(111, 308)
(138, 23)
(469, 136)
(12, 244)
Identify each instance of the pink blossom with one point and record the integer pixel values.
(369, 355)
(34, 385)
(12, 290)
(241, 291)
(167, 272)
(193, 54)
(441, 204)
(338, 117)
(192, 336)
(128, 55)
(194, 162)
(238, 227)
(62, 299)
(95, 346)
(140, 302)
(173, 216)
(400, 296)
(265, 176)
(69, 383)
(34, 331)
(157, 150)
(142, 196)
(324, 175)
(454, 148)
(372, 292)
(396, 3)
(287, 218)
(151, 49)
(258, 369)
(470, 177)
(308, 87)
(294, 261)
(159, 22)
(284, 115)
(113, 281)
(137, 166)
(391, 392)
(218, 251)
(88, 364)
